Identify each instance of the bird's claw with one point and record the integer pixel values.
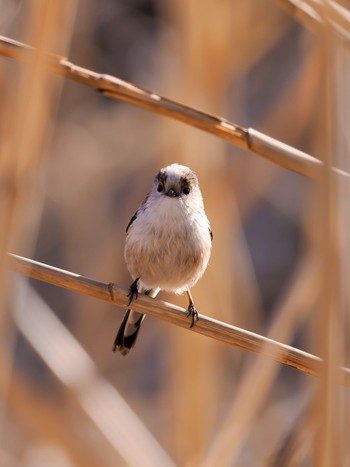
(193, 313)
(133, 291)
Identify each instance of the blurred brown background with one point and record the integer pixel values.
(249, 61)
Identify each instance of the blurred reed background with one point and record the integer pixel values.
(74, 166)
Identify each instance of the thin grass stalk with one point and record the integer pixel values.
(329, 406)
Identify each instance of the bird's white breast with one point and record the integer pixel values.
(169, 244)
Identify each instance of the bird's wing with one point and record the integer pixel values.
(134, 217)
(131, 221)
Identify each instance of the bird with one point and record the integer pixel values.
(167, 247)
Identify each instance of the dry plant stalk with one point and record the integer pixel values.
(329, 447)
(312, 14)
(28, 121)
(273, 150)
(223, 332)
(25, 125)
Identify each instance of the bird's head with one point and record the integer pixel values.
(176, 181)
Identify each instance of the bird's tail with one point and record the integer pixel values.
(129, 329)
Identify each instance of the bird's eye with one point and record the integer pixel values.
(186, 190)
(160, 187)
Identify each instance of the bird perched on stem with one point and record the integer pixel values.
(167, 247)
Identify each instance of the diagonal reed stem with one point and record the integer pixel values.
(271, 149)
(223, 332)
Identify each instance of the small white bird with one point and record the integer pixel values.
(168, 245)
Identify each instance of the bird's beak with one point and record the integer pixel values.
(172, 193)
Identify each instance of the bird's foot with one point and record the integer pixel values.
(133, 291)
(191, 311)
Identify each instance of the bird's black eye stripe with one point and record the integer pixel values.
(160, 180)
(187, 183)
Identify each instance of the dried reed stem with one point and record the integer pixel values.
(281, 353)
(329, 446)
(275, 151)
(311, 13)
